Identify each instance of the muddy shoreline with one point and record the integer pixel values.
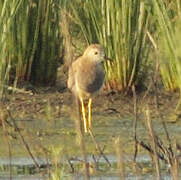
(46, 114)
(45, 119)
(32, 103)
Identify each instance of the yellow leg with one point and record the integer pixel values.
(83, 115)
(90, 113)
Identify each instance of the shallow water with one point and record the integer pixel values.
(24, 162)
(23, 177)
(61, 133)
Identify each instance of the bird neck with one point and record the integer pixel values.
(90, 62)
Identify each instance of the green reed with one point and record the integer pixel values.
(120, 26)
(8, 10)
(49, 43)
(30, 41)
(168, 17)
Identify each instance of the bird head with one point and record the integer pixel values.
(95, 52)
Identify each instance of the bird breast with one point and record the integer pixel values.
(90, 79)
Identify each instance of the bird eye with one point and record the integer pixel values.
(96, 53)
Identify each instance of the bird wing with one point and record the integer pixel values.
(71, 74)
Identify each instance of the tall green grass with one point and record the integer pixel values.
(30, 41)
(48, 44)
(168, 17)
(8, 10)
(120, 26)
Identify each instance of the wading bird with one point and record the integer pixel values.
(86, 77)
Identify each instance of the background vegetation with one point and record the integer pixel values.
(31, 39)
(120, 26)
(30, 42)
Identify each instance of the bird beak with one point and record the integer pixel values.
(107, 58)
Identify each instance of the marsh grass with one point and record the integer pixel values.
(31, 39)
(168, 18)
(30, 42)
(163, 152)
(48, 44)
(57, 172)
(120, 155)
(8, 10)
(120, 26)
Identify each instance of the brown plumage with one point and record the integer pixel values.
(86, 77)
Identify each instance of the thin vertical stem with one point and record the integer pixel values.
(135, 122)
(81, 139)
(120, 156)
(6, 139)
(153, 139)
(23, 140)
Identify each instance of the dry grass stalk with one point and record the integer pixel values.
(135, 122)
(9, 115)
(120, 155)
(65, 29)
(174, 164)
(3, 120)
(170, 152)
(135, 165)
(167, 153)
(154, 145)
(99, 148)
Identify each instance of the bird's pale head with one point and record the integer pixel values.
(95, 52)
